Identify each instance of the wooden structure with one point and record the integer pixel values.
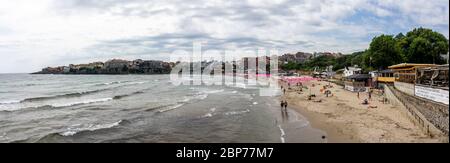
(406, 72)
(358, 82)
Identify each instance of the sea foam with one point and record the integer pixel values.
(90, 127)
(82, 102)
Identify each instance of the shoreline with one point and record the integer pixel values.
(346, 120)
(332, 130)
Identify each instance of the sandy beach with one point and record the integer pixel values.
(346, 119)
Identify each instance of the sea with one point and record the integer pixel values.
(142, 109)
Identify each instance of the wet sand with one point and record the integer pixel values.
(346, 120)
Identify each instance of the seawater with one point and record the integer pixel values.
(141, 108)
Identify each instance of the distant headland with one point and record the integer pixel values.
(113, 66)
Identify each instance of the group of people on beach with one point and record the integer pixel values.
(284, 103)
(366, 101)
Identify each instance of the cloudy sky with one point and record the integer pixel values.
(39, 33)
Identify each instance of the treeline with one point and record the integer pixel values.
(420, 45)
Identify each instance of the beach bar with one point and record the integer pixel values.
(383, 77)
(405, 76)
(386, 77)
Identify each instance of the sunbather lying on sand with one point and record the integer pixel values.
(373, 107)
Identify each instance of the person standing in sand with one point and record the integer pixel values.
(357, 94)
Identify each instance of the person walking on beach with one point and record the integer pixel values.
(357, 94)
(282, 104)
(285, 105)
(370, 95)
(284, 91)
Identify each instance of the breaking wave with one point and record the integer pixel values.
(10, 102)
(111, 83)
(173, 107)
(89, 127)
(76, 94)
(82, 102)
(237, 112)
(127, 95)
(213, 91)
(209, 114)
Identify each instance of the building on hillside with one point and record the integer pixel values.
(154, 67)
(116, 66)
(318, 54)
(405, 76)
(94, 65)
(358, 82)
(134, 65)
(66, 69)
(299, 57)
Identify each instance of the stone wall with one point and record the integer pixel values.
(431, 117)
(405, 87)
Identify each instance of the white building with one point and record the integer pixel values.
(348, 71)
(66, 69)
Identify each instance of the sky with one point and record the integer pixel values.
(38, 33)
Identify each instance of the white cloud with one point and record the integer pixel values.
(38, 33)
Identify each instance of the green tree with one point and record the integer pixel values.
(382, 53)
(321, 62)
(399, 36)
(419, 51)
(423, 45)
(357, 59)
(291, 66)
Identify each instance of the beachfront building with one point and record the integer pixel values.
(405, 76)
(349, 71)
(358, 82)
(383, 77)
(432, 83)
(423, 90)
